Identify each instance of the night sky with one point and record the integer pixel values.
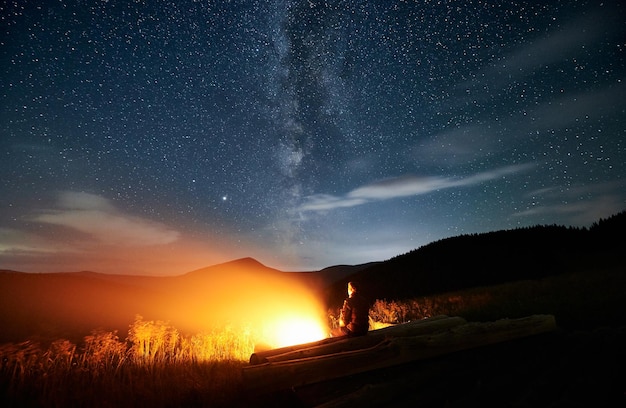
(157, 137)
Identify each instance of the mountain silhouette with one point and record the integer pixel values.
(70, 305)
(247, 264)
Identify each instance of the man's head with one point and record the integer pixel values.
(352, 288)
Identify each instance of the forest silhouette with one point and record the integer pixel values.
(492, 258)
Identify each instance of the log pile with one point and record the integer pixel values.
(329, 359)
(342, 344)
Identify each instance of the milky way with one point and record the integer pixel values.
(158, 137)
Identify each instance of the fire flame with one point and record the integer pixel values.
(279, 308)
(295, 329)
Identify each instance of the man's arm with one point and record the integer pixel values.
(346, 314)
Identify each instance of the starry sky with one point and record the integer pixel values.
(157, 137)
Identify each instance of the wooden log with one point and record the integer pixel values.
(405, 329)
(369, 395)
(374, 337)
(270, 377)
(259, 357)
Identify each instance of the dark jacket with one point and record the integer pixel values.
(355, 313)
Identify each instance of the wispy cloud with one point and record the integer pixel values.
(491, 86)
(557, 45)
(459, 145)
(579, 205)
(83, 231)
(402, 187)
(474, 142)
(568, 110)
(553, 47)
(99, 218)
(15, 241)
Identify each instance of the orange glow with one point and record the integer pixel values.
(277, 308)
(240, 304)
(295, 329)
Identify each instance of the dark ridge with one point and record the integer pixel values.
(243, 264)
(491, 258)
(332, 274)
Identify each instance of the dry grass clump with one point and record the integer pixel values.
(155, 366)
(578, 300)
(402, 311)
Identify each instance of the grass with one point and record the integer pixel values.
(581, 300)
(155, 366)
(159, 367)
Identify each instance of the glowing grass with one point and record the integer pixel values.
(154, 366)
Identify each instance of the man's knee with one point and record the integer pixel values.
(339, 332)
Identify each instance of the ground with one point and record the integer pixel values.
(564, 368)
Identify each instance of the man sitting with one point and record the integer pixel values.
(353, 320)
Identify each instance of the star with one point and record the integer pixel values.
(333, 133)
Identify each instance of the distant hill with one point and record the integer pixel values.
(496, 257)
(330, 275)
(61, 304)
(71, 305)
(248, 264)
